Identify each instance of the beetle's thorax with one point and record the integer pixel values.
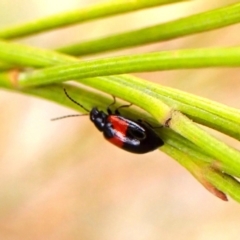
(99, 118)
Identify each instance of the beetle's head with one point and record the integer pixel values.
(98, 118)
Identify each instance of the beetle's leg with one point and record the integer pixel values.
(123, 106)
(111, 104)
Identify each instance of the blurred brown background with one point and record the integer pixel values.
(61, 180)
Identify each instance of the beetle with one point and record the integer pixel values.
(133, 136)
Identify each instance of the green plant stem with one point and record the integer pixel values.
(25, 56)
(80, 15)
(180, 59)
(5, 66)
(204, 111)
(227, 158)
(132, 92)
(201, 22)
(209, 177)
(225, 183)
(54, 92)
(215, 181)
(78, 97)
(224, 116)
(203, 155)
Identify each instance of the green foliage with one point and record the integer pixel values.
(212, 162)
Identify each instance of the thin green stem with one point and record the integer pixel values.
(5, 66)
(201, 110)
(90, 98)
(130, 91)
(216, 182)
(225, 117)
(229, 157)
(230, 164)
(201, 22)
(80, 15)
(226, 158)
(225, 183)
(180, 59)
(25, 56)
(203, 155)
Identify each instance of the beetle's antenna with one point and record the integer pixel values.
(75, 101)
(73, 115)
